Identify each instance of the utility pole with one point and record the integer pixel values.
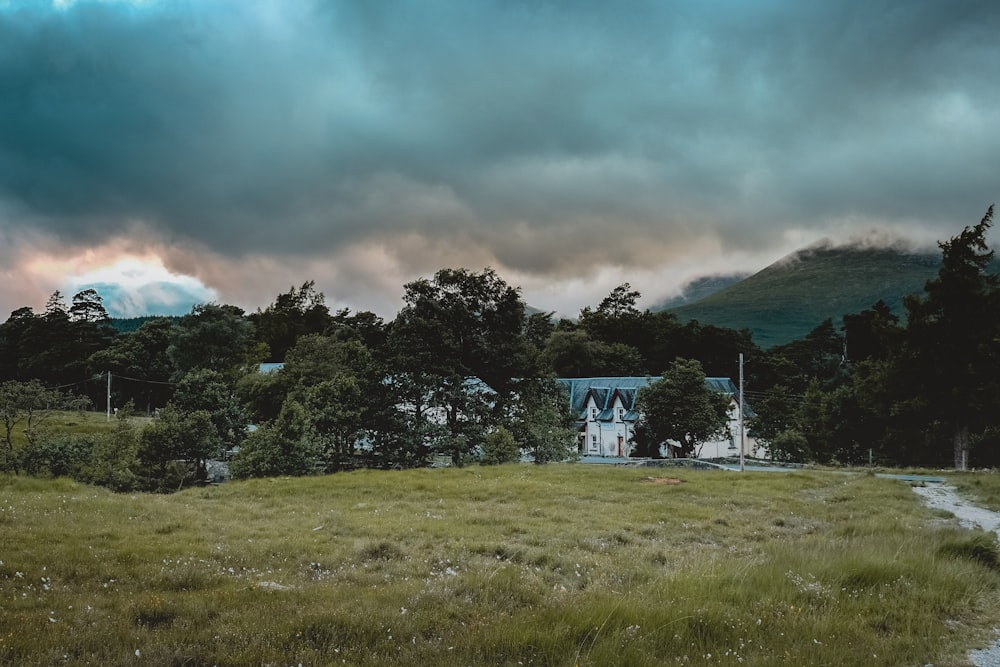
(742, 436)
(109, 396)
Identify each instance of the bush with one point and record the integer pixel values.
(62, 455)
(114, 456)
(269, 452)
(499, 448)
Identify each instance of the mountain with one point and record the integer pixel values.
(789, 298)
(699, 288)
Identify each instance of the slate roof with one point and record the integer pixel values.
(604, 390)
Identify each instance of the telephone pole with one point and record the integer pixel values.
(742, 436)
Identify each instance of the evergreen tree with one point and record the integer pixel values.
(950, 365)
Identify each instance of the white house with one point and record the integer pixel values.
(606, 416)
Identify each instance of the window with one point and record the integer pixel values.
(593, 442)
(593, 413)
(621, 414)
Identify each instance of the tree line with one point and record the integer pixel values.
(465, 371)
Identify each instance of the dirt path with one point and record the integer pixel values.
(945, 497)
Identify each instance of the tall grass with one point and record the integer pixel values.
(556, 565)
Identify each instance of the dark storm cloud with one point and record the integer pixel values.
(541, 136)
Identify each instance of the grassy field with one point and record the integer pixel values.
(517, 565)
(85, 422)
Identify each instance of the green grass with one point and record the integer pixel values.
(983, 487)
(556, 565)
(69, 422)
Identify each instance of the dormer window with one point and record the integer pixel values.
(593, 413)
(621, 414)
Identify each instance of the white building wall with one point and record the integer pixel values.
(603, 438)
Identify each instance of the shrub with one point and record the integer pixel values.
(114, 456)
(58, 455)
(499, 448)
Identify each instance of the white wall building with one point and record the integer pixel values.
(606, 416)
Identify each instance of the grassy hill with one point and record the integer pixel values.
(789, 298)
(699, 288)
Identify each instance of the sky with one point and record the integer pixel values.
(173, 152)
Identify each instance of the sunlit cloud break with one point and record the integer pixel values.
(133, 287)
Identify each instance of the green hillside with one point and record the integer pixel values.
(699, 288)
(789, 298)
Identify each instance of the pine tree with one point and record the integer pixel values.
(950, 363)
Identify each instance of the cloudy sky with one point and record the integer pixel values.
(181, 151)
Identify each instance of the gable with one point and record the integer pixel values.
(606, 391)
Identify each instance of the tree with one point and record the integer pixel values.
(216, 338)
(833, 425)
(617, 319)
(28, 403)
(458, 326)
(500, 448)
(88, 306)
(542, 422)
(277, 448)
(333, 420)
(141, 364)
(13, 340)
(680, 410)
(871, 334)
(470, 324)
(950, 363)
(209, 391)
(576, 354)
(293, 314)
(114, 460)
(775, 412)
(173, 448)
(398, 432)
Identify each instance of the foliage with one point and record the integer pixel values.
(114, 458)
(464, 358)
(54, 347)
(277, 448)
(679, 410)
(333, 420)
(950, 358)
(28, 403)
(209, 391)
(296, 313)
(213, 337)
(543, 423)
(173, 448)
(499, 448)
(139, 364)
(575, 354)
(58, 455)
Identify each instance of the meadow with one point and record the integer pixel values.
(513, 565)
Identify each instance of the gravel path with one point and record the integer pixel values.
(945, 497)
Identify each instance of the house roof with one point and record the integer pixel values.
(604, 390)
